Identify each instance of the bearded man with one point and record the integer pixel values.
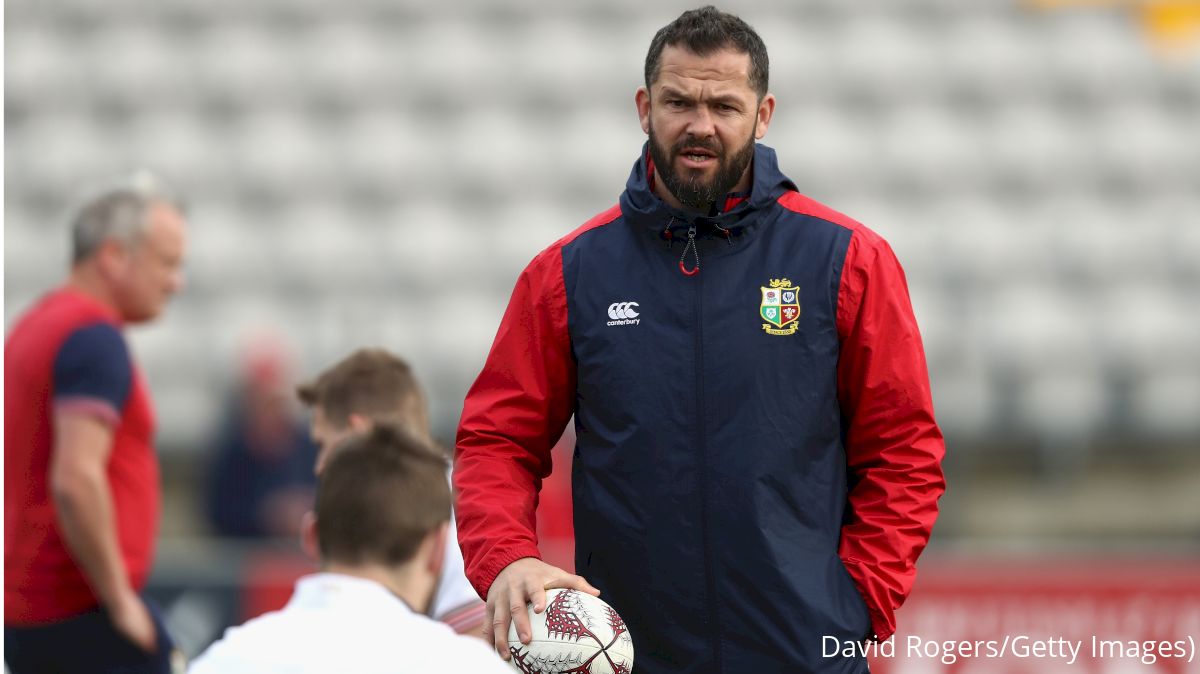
(757, 465)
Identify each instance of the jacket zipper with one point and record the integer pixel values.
(705, 541)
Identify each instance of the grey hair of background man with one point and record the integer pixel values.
(118, 211)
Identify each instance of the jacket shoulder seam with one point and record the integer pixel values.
(599, 220)
(803, 205)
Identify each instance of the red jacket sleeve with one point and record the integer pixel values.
(894, 448)
(513, 415)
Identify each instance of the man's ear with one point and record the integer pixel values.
(766, 110)
(112, 257)
(642, 100)
(309, 542)
(359, 423)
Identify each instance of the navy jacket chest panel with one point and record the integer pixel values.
(776, 390)
(624, 364)
(633, 379)
(651, 365)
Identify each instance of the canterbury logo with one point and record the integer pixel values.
(622, 310)
(623, 313)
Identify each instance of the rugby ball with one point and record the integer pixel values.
(576, 634)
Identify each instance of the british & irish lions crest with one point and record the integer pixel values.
(780, 307)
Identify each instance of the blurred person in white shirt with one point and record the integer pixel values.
(381, 520)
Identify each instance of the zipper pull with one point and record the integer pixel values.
(691, 243)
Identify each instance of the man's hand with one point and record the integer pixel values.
(525, 581)
(132, 620)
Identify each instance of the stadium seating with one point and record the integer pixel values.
(378, 172)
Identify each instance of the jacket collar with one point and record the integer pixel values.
(642, 207)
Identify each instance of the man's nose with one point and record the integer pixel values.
(701, 123)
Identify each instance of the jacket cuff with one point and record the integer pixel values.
(488, 571)
(880, 625)
(883, 623)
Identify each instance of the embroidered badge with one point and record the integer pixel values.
(780, 307)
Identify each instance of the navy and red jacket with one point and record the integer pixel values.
(753, 470)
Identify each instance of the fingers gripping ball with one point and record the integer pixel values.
(576, 634)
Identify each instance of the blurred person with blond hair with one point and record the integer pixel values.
(381, 522)
(373, 386)
(81, 478)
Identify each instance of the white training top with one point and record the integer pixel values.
(339, 623)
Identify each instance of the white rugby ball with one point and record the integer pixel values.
(577, 633)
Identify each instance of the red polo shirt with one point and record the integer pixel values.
(68, 352)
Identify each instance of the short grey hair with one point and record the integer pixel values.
(118, 211)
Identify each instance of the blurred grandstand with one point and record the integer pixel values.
(378, 171)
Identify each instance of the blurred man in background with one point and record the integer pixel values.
(757, 464)
(380, 569)
(81, 481)
(372, 386)
(261, 482)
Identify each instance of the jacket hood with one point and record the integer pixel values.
(641, 206)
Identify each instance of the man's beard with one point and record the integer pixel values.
(692, 191)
